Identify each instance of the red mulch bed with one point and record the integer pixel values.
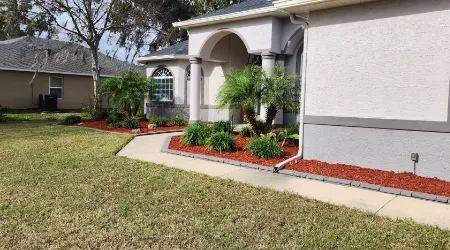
(101, 124)
(405, 181)
(238, 155)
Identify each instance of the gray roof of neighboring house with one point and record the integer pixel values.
(244, 5)
(181, 48)
(31, 53)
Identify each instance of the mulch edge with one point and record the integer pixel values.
(332, 180)
(119, 133)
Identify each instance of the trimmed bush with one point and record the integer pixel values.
(221, 141)
(4, 109)
(2, 118)
(131, 122)
(246, 132)
(113, 118)
(293, 134)
(159, 121)
(196, 134)
(265, 146)
(72, 119)
(222, 126)
(178, 121)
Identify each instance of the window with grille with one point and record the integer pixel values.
(164, 79)
(56, 86)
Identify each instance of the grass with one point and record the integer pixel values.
(32, 115)
(62, 187)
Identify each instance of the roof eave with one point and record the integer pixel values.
(145, 59)
(299, 6)
(267, 11)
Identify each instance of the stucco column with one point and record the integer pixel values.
(279, 120)
(194, 101)
(268, 63)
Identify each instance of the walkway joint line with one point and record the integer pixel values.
(386, 204)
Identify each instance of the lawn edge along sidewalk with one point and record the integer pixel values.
(338, 181)
(120, 133)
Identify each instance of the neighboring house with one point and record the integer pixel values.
(376, 74)
(64, 70)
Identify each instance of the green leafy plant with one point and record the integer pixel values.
(178, 121)
(265, 146)
(196, 134)
(4, 109)
(115, 125)
(246, 132)
(249, 87)
(222, 126)
(131, 122)
(2, 118)
(242, 89)
(128, 91)
(159, 121)
(113, 117)
(72, 119)
(221, 141)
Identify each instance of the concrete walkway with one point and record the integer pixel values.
(148, 148)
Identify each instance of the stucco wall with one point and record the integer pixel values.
(383, 149)
(15, 92)
(387, 59)
(257, 34)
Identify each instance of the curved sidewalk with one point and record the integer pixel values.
(148, 148)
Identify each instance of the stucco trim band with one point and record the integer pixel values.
(410, 125)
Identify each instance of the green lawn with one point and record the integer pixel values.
(32, 115)
(64, 187)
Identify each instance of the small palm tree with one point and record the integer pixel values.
(242, 89)
(247, 87)
(280, 92)
(128, 91)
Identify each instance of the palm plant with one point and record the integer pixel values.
(128, 91)
(242, 89)
(280, 92)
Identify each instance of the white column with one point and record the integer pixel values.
(195, 83)
(278, 121)
(268, 63)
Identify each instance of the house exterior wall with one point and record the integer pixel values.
(16, 93)
(378, 86)
(387, 60)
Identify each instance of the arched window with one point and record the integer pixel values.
(164, 78)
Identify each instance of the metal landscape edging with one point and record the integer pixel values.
(332, 180)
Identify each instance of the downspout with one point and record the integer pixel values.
(305, 25)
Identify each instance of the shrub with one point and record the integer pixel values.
(131, 122)
(222, 126)
(2, 118)
(115, 125)
(72, 119)
(4, 109)
(196, 134)
(246, 132)
(221, 141)
(159, 121)
(293, 134)
(113, 117)
(178, 121)
(265, 146)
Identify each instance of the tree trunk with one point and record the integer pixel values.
(251, 118)
(271, 113)
(96, 78)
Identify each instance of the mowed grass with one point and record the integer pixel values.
(64, 187)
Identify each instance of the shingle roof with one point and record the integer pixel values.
(181, 48)
(31, 53)
(244, 5)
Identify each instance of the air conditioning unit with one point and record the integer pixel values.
(48, 102)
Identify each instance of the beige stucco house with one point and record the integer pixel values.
(375, 75)
(64, 70)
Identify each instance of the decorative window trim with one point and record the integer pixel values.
(166, 74)
(50, 85)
